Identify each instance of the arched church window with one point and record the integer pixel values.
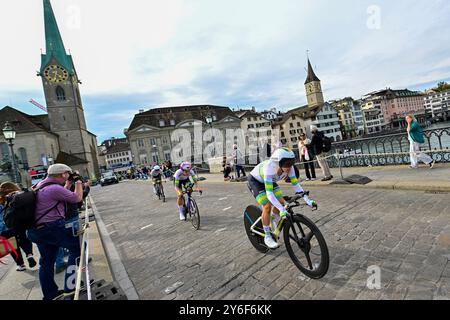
(60, 94)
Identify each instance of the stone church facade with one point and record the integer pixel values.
(63, 132)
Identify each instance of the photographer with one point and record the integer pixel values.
(50, 231)
(71, 216)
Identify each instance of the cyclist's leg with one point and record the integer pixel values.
(180, 201)
(279, 195)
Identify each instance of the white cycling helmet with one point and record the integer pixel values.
(185, 166)
(157, 168)
(284, 157)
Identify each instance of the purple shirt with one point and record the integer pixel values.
(48, 197)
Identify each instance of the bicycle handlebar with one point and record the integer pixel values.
(292, 202)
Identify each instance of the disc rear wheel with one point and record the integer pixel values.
(251, 214)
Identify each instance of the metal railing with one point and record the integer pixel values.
(392, 149)
(83, 266)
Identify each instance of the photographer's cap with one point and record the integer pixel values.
(58, 168)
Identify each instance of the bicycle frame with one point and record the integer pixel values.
(275, 233)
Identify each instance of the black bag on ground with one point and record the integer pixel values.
(20, 209)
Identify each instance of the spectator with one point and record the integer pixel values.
(238, 160)
(307, 156)
(72, 218)
(415, 137)
(22, 241)
(317, 148)
(226, 169)
(50, 231)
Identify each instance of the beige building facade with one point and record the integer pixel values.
(162, 133)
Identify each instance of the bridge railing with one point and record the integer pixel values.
(389, 149)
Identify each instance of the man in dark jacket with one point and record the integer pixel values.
(317, 145)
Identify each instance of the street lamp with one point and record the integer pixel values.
(10, 134)
(50, 160)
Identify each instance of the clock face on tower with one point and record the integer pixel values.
(55, 73)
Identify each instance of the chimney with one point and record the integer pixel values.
(253, 109)
(141, 110)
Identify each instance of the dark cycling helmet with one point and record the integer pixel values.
(284, 157)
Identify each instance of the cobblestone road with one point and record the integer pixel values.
(405, 233)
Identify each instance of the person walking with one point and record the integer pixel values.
(415, 137)
(317, 147)
(22, 241)
(238, 160)
(307, 156)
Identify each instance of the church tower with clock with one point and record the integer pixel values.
(77, 146)
(313, 89)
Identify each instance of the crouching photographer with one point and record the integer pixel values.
(50, 232)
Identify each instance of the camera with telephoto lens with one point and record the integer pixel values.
(73, 177)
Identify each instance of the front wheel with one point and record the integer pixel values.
(306, 246)
(194, 214)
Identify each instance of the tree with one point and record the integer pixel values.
(442, 86)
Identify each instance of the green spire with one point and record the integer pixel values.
(54, 44)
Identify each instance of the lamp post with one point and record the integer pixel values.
(10, 134)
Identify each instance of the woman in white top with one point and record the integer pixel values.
(306, 156)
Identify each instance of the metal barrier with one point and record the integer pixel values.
(84, 256)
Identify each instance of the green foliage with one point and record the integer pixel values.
(442, 86)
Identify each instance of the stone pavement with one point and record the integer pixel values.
(25, 285)
(405, 235)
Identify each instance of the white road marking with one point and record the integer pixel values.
(227, 208)
(146, 226)
(112, 232)
(223, 229)
(223, 198)
(110, 224)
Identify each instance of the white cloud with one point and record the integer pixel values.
(179, 52)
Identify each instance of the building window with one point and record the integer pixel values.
(291, 125)
(162, 123)
(4, 151)
(152, 142)
(172, 122)
(60, 94)
(140, 142)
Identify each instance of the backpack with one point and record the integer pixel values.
(20, 209)
(326, 143)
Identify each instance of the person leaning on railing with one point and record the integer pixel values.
(51, 232)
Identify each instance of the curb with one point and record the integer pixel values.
(412, 185)
(117, 268)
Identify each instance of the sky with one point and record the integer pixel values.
(142, 54)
